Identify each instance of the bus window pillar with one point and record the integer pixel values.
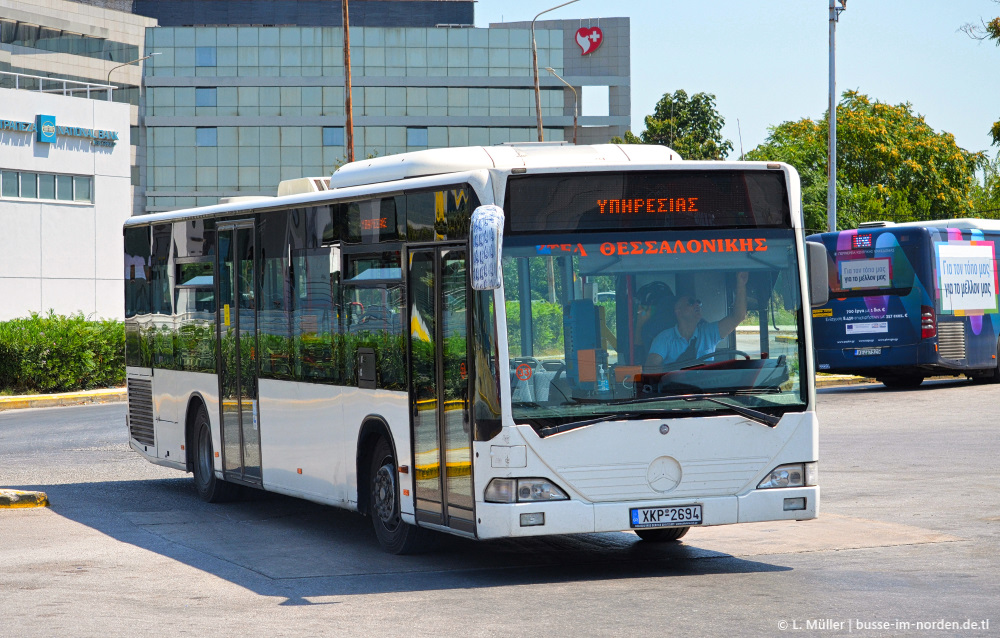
(524, 299)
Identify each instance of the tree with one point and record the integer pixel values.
(986, 194)
(987, 31)
(891, 165)
(690, 126)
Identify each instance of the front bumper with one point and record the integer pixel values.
(496, 520)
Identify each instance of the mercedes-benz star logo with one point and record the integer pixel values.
(664, 474)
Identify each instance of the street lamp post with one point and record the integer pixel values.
(348, 99)
(831, 182)
(534, 64)
(576, 100)
(128, 63)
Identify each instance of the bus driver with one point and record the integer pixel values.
(692, 337)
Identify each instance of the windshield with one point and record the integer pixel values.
(601, 324)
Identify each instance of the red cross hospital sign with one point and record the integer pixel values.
(589, 39)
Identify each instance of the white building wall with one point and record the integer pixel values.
(60, 255)
(111, 21)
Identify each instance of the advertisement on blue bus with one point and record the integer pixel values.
(912, 300)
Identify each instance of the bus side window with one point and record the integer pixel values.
(275, 294)
(373, 298)
(137, 257)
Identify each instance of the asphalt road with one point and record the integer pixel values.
(909, 533)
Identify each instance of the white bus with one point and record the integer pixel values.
(357, 345)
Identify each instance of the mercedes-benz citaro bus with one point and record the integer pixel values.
(452, 340)
(911, 300)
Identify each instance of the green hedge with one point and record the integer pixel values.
(55, 353)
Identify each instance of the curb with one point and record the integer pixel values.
(109, 395)
(10, 499)
(838, 380)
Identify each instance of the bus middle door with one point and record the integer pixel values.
(237, 321)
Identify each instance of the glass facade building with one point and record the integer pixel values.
(234, 110)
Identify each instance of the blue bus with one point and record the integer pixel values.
(910, 300)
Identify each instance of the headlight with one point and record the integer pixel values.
(790, 475)
(523, 490)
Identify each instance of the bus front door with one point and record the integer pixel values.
(237, 321)
(439, 388)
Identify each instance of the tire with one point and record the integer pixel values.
(903, 381)
(395, 536)
(210, 488)
(661, 535)
(993, 376)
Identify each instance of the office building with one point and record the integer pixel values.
(237, 95)
(233, 110)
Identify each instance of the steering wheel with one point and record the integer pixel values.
(712, 355)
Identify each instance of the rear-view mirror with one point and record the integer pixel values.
(819, 283)
(485, 237)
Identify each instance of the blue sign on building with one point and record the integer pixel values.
(45, 129)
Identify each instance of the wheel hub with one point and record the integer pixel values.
(384, 496)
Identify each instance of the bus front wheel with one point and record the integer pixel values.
(395, 536)
(661, 535)
(210, 488)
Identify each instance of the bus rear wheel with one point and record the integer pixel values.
(394, 535)
(661, 535)
(903, 381)
(210, 488)
(993, 376)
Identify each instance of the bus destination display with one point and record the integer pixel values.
(664, 199)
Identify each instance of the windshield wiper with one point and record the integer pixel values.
(566, 427)
(755, 415)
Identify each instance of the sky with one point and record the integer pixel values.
(767, 62)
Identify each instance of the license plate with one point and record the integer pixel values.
(867, 352)
(666, 516)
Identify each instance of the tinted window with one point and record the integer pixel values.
(194, 301)
(137, 274)
(64, 187)
(136, 271)
(29, 185)
(333, 136)
(9, 188)
(439, 215)
(299, 312)
(46, 186)
(375, 220)
(205, 97)
(81, 191)
(195, 238)
(274, 331)
(161, 297)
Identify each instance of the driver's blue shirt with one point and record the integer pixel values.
(669, 344)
